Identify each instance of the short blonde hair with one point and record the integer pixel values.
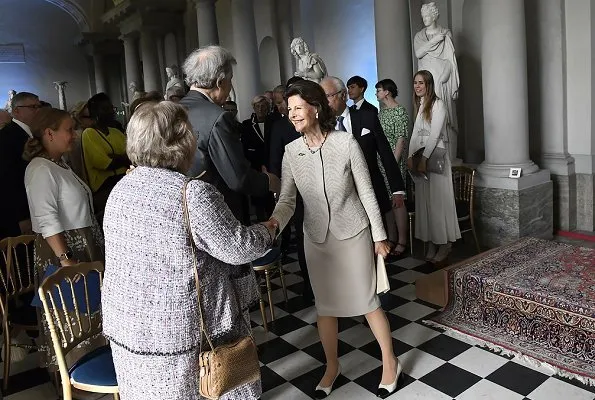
(159, 135)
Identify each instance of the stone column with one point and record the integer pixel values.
(162, 63)
(393, 31)
(191, 27)
(284, 37)
(508, 208)
(132, 62)
(181, 46)
(100, 78)
(61, 88)
(207, 22)
(247, 73)
(152, 79)
(547, 108)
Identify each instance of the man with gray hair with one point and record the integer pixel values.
(14, 214)
(220, 156)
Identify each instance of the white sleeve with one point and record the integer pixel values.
(438, 121)
(42, 194)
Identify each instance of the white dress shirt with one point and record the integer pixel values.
(24, 126)
(358, 105)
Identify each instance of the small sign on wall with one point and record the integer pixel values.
(515, 173)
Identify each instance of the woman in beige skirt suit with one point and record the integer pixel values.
(343, 227)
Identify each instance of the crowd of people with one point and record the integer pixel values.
(91, 190)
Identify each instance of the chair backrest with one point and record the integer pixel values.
(17, 275)
(463, 180)
(67, 303)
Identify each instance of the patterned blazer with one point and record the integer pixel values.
(335, 185)
(149, 300)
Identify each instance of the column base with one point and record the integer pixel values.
(585, 201)
(562, 169)
(507, 211)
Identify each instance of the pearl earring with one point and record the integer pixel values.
(317, 115)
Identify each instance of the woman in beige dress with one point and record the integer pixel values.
(342, 227)
(435, 213)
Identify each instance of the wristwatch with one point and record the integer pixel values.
(65, 256)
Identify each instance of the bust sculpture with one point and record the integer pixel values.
(435, 52)
(8, 105)
(135, 93)
(309, 65)
(173, 79)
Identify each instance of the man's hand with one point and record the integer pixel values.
(382, 248)
(398, 200)
(25, 227)
(272, 225)
(422, 167)
(410, 163)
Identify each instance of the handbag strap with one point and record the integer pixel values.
(193, 247)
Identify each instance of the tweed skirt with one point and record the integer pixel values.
(171, 377)
(343, 274)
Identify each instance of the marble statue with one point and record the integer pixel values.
(135, 93)
(435, 52)
(61, 88)
(309, 65)
(8, 105)
(174, 80)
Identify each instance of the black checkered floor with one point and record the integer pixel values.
(435, 366)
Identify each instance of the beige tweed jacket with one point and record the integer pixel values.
(335, 185)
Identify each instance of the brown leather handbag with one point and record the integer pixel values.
(226, 367)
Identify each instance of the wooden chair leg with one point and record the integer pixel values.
(267, 277)
(282, 278)
(6, 356)
(116, 396)
(475, 236)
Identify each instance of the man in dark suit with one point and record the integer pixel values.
(282, 133)
(256, 149)
(14, 214)
(356, 87)
(220, 156)
(366, 128)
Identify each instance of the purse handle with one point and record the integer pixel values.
(192, 246)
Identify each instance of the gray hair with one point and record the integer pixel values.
(337, 83)
(207, 66)
(258, 99)
(431, 9)
(21, 97)
(159, 135)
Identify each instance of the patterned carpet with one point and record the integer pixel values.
(535, 298)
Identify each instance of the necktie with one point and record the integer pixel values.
(340, 126)
(353, 107)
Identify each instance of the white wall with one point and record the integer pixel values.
(579, 83)
(48, 34)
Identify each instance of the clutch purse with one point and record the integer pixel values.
(435, 164)
(228, 366)
(382, 285)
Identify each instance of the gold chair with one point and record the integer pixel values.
(269, 264)
(463, 179)
(18, 283)
(68, 288)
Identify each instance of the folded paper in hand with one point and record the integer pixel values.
(382, 285)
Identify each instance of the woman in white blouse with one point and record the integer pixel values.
(435, 213)
(60, 204)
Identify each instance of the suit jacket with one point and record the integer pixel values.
(367, 107)
(282, 133)
(374, 144)
(220, 154)
(335, 185)
(13, 203)
(255, 143)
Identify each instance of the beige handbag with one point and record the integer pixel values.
(226, 367)
(382, 285)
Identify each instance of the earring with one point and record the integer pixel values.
(316, 114)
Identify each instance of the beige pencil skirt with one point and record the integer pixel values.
(343, 274)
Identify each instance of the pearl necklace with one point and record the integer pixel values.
(319, 147)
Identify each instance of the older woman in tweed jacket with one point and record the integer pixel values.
(149, 300)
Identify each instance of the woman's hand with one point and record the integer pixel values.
(410, 163)
(382, 248)
(422, 167)
(272, 225)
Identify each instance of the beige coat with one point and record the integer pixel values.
(335, 185)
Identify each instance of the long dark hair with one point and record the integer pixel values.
(313, 94)
(430, 95)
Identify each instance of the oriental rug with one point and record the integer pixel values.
(534, 299)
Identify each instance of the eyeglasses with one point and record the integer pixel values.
(32, 106)
(328, 96)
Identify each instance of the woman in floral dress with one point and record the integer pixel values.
(395, 124)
